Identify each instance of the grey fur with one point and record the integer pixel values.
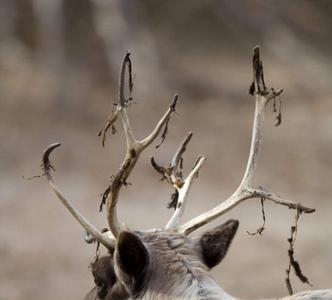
(176, 269)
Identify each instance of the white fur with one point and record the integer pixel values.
(311, 295)
(211, 291)
(206, 289)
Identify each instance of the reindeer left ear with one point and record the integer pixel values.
(214, 244)
(132, 259)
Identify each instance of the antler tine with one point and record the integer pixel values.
(163, 121)
(47, 167)
(179, 152)
(134, 147)
(245, 190)
(183, 191)
(181, 186)
(123, 102)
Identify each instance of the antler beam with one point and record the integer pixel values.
(47, 167)
(134, 147)
(246, 190)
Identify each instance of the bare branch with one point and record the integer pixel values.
(47, 167)
(245, 190)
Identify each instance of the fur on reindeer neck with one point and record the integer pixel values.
(177, 272)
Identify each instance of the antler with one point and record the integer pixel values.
(173, 175)
(246, 190)
(105, 239)
(134, 147)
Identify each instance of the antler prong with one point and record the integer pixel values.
(174, 178)
(179, 152)
(183, 191)
(164, 119)
(259, 193)
(123, 102)
(47, 167)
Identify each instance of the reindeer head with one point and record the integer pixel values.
(160, 263)
(167, 261)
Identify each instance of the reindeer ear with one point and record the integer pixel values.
(132, 259)
(215, 243)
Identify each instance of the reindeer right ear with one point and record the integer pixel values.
(132, 260)
(215, 243)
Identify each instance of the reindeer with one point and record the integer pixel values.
(168, 263)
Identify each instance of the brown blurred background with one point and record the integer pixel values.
(59, 63)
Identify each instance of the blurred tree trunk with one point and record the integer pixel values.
(83, 45)
(26, 24)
